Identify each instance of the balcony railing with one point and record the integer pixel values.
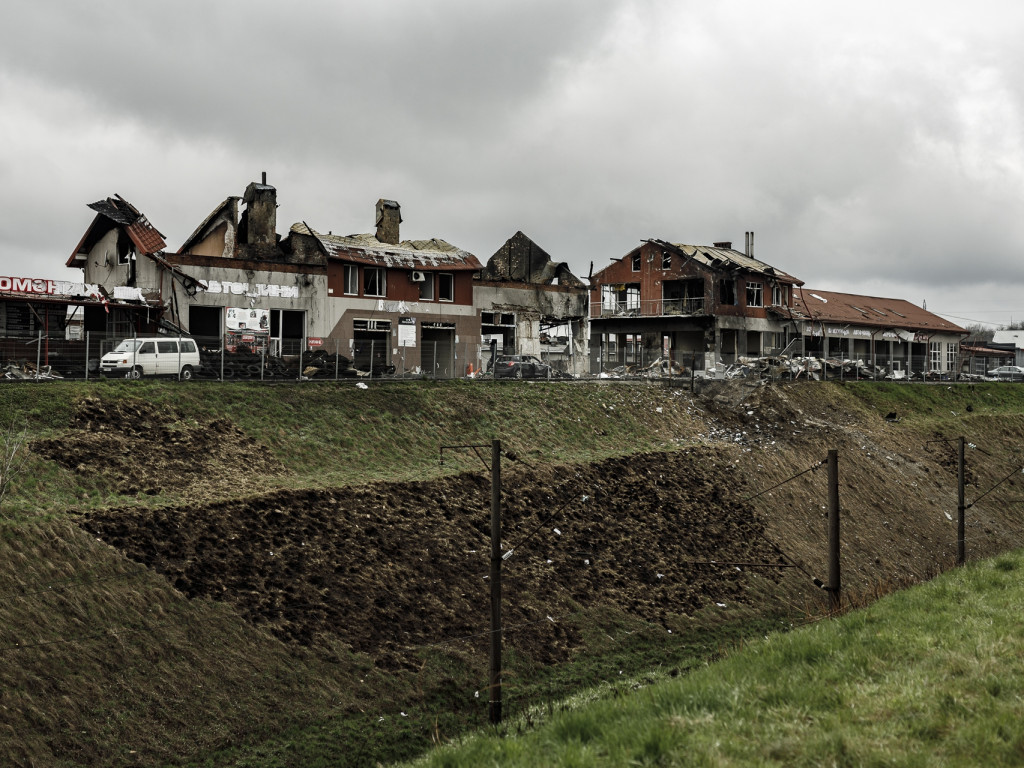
(649, 308)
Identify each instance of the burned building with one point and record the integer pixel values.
(531, 304)
(402, 305)
(258, 290)
(694, 305)
(891, 334)
(121, 255)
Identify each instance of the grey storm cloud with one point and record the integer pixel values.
(873, 147)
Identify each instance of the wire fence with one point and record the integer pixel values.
(369, 355)
(992, 475)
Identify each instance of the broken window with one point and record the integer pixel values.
(755, 295)
(726, 291)
(427, 288)
(666, 260)
(608, 298)
(632, 297)
(373, 281)
(351, 280)
(636, 262)
(777, 298)
(446, 287)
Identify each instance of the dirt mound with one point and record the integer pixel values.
(388, 567)
(149, 448)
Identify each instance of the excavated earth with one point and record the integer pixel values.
(388, 567)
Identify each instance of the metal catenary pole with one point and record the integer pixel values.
(495, 687)
(834, 583)
(961, 550)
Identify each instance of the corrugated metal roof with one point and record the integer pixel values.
(718, 258)
(871, 311)
(409, 254)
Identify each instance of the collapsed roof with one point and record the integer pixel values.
(522, 260)
(433, 254)
(112, 213)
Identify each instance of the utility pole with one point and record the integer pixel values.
(494, 708)
(494, 698)
(834, 584)
(961, 549)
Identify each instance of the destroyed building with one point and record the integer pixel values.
(406, 304)
(531, 304)
(257, 290)
(889, 334)
(123, 264)
(694, 305)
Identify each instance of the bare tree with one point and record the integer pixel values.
(12, 457)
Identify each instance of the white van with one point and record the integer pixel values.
(152, 356)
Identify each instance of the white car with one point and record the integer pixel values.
(152, 356)
(1008, 372)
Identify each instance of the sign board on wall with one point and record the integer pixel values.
(247, 319)
(406, 332)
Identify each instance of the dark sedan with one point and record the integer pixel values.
(520, 367)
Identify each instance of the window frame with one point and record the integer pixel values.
(350, 280)
(634, 262)
(382, 280)
(442, 278)
(428, 280)
(755, 294)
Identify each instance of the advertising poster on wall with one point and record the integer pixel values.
(406, 332)
(247, 329)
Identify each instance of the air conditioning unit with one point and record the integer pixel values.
(417, 276)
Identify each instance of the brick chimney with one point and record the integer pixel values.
(261, 213)
(389, 216)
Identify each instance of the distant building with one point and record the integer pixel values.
(882, 332)
(696, 305)
(531, 304)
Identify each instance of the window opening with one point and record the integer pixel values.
(446, 287)
(373, 281)
(755, 295)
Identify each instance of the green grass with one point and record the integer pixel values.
(930, 676)
(128, 687)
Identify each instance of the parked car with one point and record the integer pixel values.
(1008, 373)
(152, 356)
(520, 367)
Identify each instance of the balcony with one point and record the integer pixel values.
(648, 308)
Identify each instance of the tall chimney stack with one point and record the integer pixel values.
(389, 216)
(261, 213)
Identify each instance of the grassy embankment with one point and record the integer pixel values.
(933, 675)
(107, 664)
(330, 435)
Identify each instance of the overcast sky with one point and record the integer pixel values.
(872, 147)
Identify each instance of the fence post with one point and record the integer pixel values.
(337, 345)
(86, 355)
(372, 342)
(301, 349)
(39, 351)
(834, 583)
(223, 343)
(263, 360)
(495, 686)
(961, 550)
(435, 359)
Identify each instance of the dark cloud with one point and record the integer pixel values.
(873, 147)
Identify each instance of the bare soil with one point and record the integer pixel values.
(145, 450)
(389, 567)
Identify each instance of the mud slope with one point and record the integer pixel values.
(143, 449)
(389, 567)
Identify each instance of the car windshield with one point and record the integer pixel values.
(128, 345)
